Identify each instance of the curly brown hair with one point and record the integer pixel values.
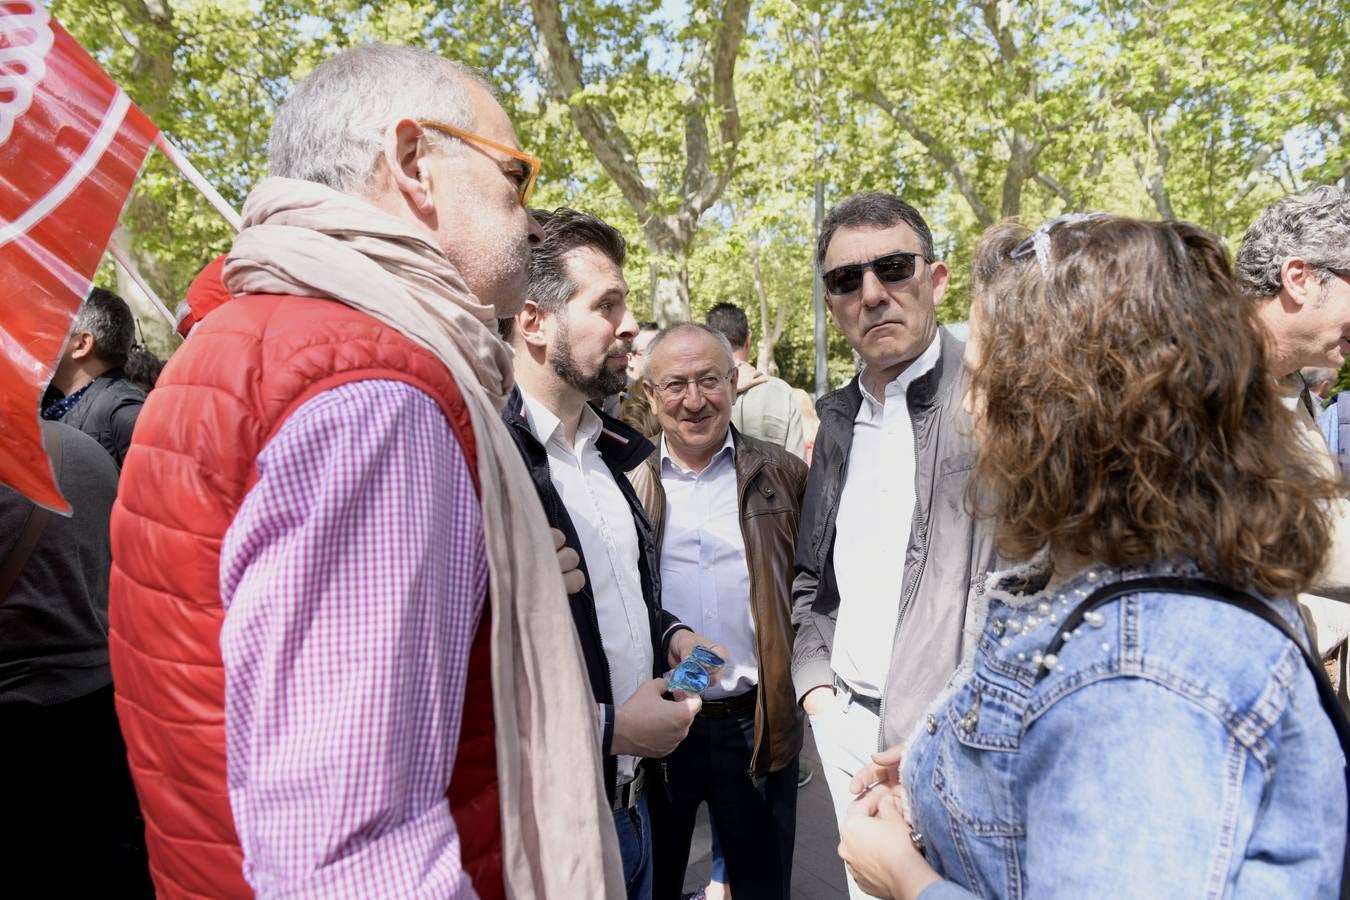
(1125, 413)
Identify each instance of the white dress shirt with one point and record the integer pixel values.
(872, 530)
(705, 581)
(609, 544)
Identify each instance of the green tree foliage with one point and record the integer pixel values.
(702, 128)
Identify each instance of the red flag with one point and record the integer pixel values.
(71, 147)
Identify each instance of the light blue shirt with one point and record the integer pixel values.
(704, 578)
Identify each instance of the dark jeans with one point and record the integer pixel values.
(634, 829)
(755, 815)
(69, 823)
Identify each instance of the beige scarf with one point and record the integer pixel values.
(557, 829)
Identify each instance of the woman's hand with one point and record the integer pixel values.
(876, 846)
(884, 769)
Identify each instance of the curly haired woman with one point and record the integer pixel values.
(1174, 745)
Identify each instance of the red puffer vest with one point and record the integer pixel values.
(219, 401)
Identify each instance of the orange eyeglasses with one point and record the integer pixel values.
(523, 178)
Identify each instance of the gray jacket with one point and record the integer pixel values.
(948, 555)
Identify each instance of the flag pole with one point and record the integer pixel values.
(179, 159)
(124, 261)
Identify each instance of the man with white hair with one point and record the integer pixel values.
(1296, 259)
(724, 507)
(334, 638)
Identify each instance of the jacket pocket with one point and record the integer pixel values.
(974, 770)
(957, 462)
(973, 776)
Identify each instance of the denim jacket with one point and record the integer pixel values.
(1176, 748)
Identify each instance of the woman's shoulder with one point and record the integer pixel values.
(1222, 658)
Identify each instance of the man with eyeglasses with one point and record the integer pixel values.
(725, 508)
(340, 643)
(1295, 259)
(571, 341)
(886, 554)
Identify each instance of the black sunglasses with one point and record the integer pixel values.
(892, 268)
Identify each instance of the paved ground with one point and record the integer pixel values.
(817, 872)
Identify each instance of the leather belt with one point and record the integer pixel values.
(872, 704)
(729, 706)
(627, 795)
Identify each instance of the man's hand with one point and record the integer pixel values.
(882, 771)
(649, 725)
(682, 644)
(879, 852)
(817, 700)
(747, 376)
(569, 561)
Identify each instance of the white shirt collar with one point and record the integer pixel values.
(728, 449)
(547, 427)
(925, 363)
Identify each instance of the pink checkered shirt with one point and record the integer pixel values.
(353, 578)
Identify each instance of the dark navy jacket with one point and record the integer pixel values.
(622, 449)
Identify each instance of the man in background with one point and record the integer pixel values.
(766, 410)
(96, 396)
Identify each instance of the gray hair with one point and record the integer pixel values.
(679, 328)
(107, 317)
(1314, 226)
(872, 210)
(330, 129)
(1314, 376)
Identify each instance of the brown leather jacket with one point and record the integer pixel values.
(769, 482)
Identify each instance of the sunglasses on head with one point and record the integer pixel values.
(892, 268)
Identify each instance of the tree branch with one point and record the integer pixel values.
(704, 181)
(1059, 190)
(1255, 173)
(596, 122)
(940, 154)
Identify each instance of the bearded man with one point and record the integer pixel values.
(572, 342)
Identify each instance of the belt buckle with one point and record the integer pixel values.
(626, 796)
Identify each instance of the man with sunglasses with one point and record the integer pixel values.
(886, 553)
(341, 647)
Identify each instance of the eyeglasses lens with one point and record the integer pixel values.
(844, 280)
(891, 269)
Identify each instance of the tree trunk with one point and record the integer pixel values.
(670, 287)
(769, 331)
(708, 162)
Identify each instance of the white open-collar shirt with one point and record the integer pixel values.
(609, 545)
(872, 530)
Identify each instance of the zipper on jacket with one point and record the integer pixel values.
(744, 491)
(922, 523)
